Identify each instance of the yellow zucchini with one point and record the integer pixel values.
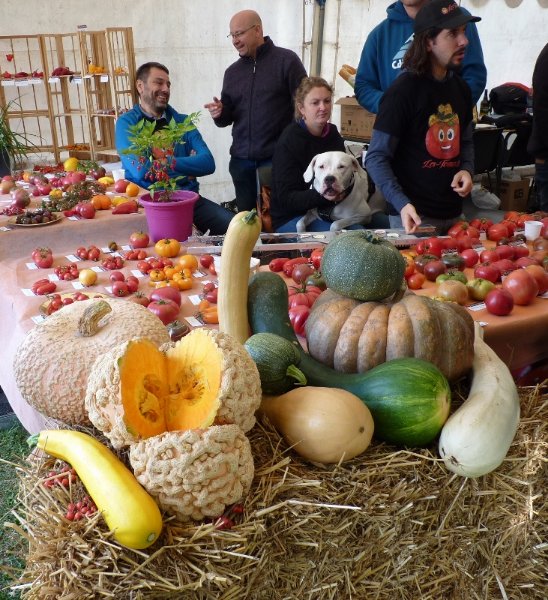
(240, 239)
(129, 511)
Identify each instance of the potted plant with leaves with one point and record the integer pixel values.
(168, 210)
(14, 147)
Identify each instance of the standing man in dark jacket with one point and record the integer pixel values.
(256, 99)
(538, 142)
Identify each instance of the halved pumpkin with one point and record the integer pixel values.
(138, 390)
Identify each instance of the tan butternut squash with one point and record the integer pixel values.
(323, 425)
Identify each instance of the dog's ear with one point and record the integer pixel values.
(358, 169)
(309, 173)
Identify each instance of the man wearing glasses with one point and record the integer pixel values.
(256, 99)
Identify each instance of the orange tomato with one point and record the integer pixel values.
(132, 190)
(188, 261)
(101, 202)
(167, 247)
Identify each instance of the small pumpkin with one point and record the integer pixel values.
(137, 391)
(52, 364)
(354, 337)
(360, 265)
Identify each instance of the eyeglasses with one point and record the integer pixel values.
(238, 34)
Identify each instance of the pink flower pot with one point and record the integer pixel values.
(170, 219)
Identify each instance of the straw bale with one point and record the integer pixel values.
(389, 525)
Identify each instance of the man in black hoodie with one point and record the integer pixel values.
(256, 99)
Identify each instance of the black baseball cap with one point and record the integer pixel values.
(442, 14)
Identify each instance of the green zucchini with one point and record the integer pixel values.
(408, 397)
(276, 361)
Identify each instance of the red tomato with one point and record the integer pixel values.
(409, 268)
(120, 288)
(166, 293)
(434, 246)
(499, 302)
(510, 225)
(540, 275)
(298, 316)
(117, 276)
(86, 210)
(505, 251)
(305, 295)
(457, 228)
(471, 257)
(520, 251)
(416, 281)
(504, 265)
(144, 266)
(487, 271)
(497, 231)
(166, 310)
(139, 239)
(316, 257)
(524, 261)
(43, 260)
(488, 256)
(522, 285)
(206, 260)
(277, 264)
(481, 224)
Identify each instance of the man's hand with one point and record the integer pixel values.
(462, 183)
(215, 108)
(410, 218)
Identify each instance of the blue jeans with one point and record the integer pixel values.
(244, 176)
(378, 221)
(541, 184)
(209, 216)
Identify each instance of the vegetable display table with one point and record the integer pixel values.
(519, 339)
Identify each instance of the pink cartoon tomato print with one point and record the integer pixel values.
(443, 135)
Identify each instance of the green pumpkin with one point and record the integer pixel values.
(360, 265)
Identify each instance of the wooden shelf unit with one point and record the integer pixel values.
(69, 113)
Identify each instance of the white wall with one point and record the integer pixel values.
(189, 36)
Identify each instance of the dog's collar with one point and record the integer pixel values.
(347, 191)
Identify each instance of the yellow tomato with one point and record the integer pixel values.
(184, 283)
(169, 271)
(167, 247)
(71, 164)
(188, 261)
(156, 275)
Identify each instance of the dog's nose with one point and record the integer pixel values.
(329, 180)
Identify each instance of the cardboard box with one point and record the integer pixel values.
(513, 194)
(356, 122)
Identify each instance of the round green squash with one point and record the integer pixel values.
(360, 265)
(409, 399)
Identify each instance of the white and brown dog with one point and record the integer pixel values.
(337, 176)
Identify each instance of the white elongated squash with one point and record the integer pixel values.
(477, 436)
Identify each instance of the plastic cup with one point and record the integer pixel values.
(118, 174)
(532, 230)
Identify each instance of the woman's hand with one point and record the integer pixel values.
(462, 183)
